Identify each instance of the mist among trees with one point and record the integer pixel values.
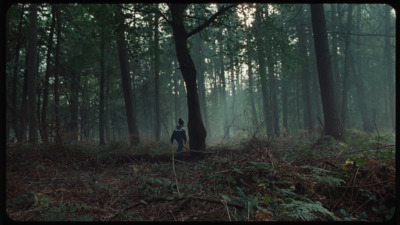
(286, 112)
(91, 72)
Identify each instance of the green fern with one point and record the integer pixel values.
(320, 175)
(307, 211)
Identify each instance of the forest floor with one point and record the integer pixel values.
(284, 179)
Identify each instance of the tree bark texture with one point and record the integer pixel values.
(197, 132)
(333, 125)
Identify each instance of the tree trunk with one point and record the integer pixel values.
(176, 95)
(126, 81)
(347, 65)
(284, 92)
(262, 73)
(107, 104)
(14, 82)
(363, 108)
(157, 127)
(223, 85)
(101, 100)
(32, 73)
(73, 126)
(388, 57)
(45, 133)
(251, 85)
(201, 78)
(197, 132)
(272, 83)
(334, 43)
(333, 125)
(304, 68)
(57, 78)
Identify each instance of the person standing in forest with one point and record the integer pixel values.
(179, 134)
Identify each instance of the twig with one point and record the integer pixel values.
(345, 191)
(173, 168)
(227, 209)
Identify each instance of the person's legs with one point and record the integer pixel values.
(180, 146)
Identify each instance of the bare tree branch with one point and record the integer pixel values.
(211, 19)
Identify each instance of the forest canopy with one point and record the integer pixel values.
(103, 72)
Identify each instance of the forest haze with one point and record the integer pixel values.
(281, 112)
(127, 72)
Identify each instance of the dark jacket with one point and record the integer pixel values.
(179, 135)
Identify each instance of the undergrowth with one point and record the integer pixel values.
(316, 179)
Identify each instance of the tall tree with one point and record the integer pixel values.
(197, 132)
(57, 76)
(363, 108)
(387, 52)
(32, 73)
(304, 67)
(223, 83)
(126, 81)
(271, 79)
(102, 86)
(156, 46)
(251, 84)
(334, 44)
(201, 75)
(333, 124)
(346, 74)
(262, 71)
(45, 133)
(14, 82)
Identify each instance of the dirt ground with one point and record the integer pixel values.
(257, 180)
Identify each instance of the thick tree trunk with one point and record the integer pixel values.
(176, 94)
(201, 78)
(32, 73)
(197, 132)
(126, 82)
(333, 125)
